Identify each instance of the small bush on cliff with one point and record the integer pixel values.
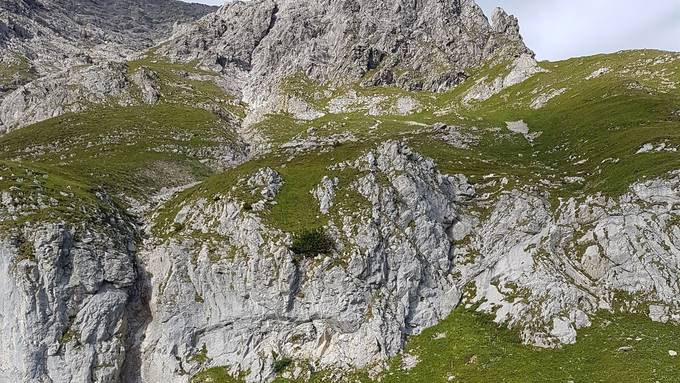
(311, 243)
(280, 365)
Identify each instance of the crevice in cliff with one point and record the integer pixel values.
(138, 318)
(294, 287)
(272, 22)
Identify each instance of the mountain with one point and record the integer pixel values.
(257, 45)
(350, 190)
(41, 36)
(416, 45)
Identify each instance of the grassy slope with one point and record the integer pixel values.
(71, 157)
(133, 151)
(127, 149)
(476, 350)
(591, 131)
(603, 121)
(610, 116)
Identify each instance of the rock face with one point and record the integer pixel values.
(61, 33)
(70, 288)
(69, 91)
(415, 45)
(249, 296)
(406, 259)
(547, 271)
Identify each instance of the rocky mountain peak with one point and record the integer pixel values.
(415, 45)
(505, 24)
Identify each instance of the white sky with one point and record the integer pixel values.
(559, 29)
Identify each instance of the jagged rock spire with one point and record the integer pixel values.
(505, 24)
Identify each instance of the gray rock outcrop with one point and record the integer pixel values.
(260, 43)
(259, 300)
(147, 81)
(521, 69)
(64, 295)
(546, 272)
(58, 34)
(69, 91)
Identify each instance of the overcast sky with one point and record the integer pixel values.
(558, 29)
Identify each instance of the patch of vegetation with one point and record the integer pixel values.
(311, 243)
(501, 358)
(42, 193)
(68, 336)
(301, 174)
(25, 248)
(595, 128)
(187, 84)
(18, 71)
(215, 375)
(201, 356)
(281, 364)
(128, 150)
(475, 349)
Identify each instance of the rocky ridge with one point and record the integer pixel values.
(413, 45)
(338, 43)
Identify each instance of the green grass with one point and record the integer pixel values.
(42, 193)
(595, 120)
(600, 120)
(132, 150)
(56, 168)
(18, 71)
(215, 375)
(474, 349)
(185, 83)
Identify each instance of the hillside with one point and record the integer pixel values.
(39, 37)
(356, 191)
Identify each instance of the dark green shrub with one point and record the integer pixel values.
(311, 243)
(282, 364)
